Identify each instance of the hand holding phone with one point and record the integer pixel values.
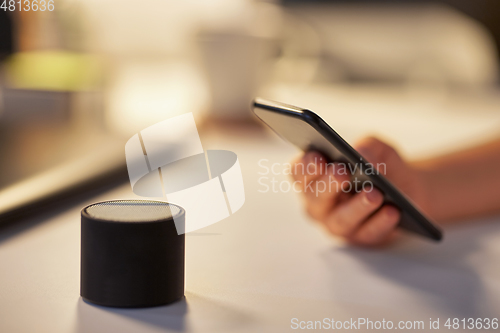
(347, 215)
(361, 218)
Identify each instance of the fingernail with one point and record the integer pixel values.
(329, 169)
(373, 196)
(392, 211)
(316, 157)
(309, 158)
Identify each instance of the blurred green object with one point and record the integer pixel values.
(53, 71)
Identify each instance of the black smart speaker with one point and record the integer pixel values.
(131, 254)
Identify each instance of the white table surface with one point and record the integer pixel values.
(256, 270)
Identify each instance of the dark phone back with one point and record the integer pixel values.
(308, 131)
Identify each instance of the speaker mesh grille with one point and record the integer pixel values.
(132, 210)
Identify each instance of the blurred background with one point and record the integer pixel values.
(87, 75)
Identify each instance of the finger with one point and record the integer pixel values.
(308, 170)
(379, 227)
(327, 186)
(310, 167)
(371, 148)
(348, 216)
(328, 189)
(377, 152)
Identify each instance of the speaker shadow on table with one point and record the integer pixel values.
(95, 318)
(442, 274)
(185, 315)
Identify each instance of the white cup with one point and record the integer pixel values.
(236, 65)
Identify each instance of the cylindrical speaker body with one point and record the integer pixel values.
(131, 254)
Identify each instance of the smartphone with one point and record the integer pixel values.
(306, 130)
